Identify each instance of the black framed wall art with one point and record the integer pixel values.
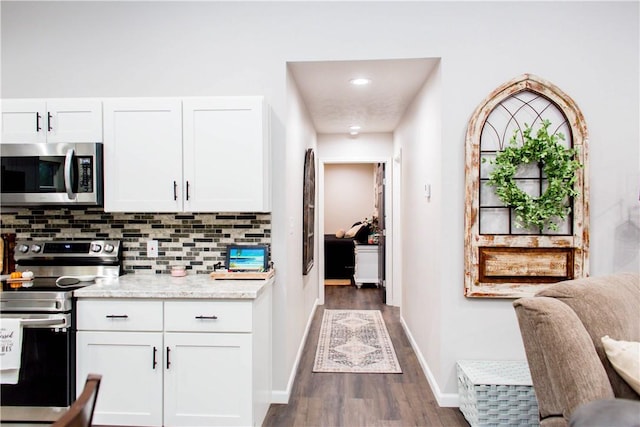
(308, 211)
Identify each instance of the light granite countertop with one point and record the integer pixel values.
(196, 286)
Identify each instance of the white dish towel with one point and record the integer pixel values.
(10, 349)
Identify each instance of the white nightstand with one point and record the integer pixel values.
(366, 268)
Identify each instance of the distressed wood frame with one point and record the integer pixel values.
(523, 274)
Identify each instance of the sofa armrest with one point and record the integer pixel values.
(606, 412)
(565, 367)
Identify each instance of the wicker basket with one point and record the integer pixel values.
(497, 393)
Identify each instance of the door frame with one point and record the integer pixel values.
(393, 292)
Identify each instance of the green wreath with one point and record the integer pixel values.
(559, 165)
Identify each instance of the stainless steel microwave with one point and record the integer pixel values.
(51, 174)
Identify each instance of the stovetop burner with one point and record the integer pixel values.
(58, 267)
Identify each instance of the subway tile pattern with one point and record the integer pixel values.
(195, 240)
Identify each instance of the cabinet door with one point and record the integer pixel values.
(24, 121)
(51, 120)
(143, 155)
(226, 154)
(131, 366)
(208, 379)
(73, 120)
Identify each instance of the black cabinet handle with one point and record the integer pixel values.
(155, 361)
(49, 117)
(207, 317)
(38, 117)
(117, 316)
(187, 190)
(168, 362)
(175, 190)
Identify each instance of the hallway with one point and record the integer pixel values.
(325, 399)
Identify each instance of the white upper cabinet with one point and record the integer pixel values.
(51, 120)
(226, 154)
(191, 154)
(143, 155)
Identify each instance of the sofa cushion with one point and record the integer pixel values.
(605, 305)
(625, 358)
(553, 335)
(362, 234)
(351, 233)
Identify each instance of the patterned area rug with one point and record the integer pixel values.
(355, 341)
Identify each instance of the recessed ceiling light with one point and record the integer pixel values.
(360, 81)
(354, 127)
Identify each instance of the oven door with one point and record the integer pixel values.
(47, 367)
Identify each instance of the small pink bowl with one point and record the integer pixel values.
(177, 271)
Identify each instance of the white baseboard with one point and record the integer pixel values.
(443, 399)
(279, 396)
(282, 396)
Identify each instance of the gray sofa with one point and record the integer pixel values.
(561, 328)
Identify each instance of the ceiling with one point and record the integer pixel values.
(334, 104)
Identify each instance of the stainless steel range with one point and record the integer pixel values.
(45, 306)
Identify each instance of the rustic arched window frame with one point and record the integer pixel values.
(511, 265)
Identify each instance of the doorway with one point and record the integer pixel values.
(367, 98)
(380, 197)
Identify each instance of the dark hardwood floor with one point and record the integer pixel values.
(327, 399)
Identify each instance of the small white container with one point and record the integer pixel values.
(178, 271)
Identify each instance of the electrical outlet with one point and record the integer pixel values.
(152, 248)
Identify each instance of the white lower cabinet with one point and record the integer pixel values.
(205, 383)
(131, 384)
(205, 366)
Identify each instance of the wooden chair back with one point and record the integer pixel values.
(80, 413)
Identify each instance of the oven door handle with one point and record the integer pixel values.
(50, 322)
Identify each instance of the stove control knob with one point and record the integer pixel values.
(23, 248)
(108, 247)
(96, 247)
(36, 248)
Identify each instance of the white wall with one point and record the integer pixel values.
(297, 293)
(336, 148)
(348, 195)
(589, 49)
(419, 137)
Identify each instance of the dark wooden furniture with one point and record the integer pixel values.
(80, 413)
(339, 260)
